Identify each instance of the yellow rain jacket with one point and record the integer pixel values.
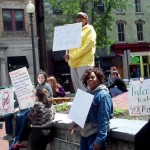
(84, 56)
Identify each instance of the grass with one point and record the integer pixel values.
(118, 113)
(123, 113)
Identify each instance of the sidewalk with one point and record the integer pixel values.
(4, 145)
(121, 101)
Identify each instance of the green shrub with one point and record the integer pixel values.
(62, 107)
(120, 112)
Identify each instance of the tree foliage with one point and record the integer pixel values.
(100, 12)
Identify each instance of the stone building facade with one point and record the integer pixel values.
(15, 39)
(131, 32)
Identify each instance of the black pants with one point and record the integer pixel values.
(39, 138)
(142, 138)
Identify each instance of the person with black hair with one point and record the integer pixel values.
(94, 135)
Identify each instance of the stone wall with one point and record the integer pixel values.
(121, 136)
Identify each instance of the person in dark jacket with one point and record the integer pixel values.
(119, 83)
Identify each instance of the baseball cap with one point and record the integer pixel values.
(83, 15)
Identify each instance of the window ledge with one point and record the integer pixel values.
(139, 13)
(140, 41)
(122, 42)
(14, 33)
(120, 13)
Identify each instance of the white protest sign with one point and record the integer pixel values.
(139, 98)
(23, 87)
(67, 36)
(6, 101)
(80, 107)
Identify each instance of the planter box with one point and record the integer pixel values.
(60, 100)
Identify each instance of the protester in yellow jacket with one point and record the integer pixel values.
(80, 59)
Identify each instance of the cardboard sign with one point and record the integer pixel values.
(6, 101)
(80, 107)
(23, 87)
(67, 36)
(139, 98)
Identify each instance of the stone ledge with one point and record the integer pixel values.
(122, 129)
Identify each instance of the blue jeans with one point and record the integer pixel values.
(9, 123)
(115, 91)
(22, 130)
(86, 143)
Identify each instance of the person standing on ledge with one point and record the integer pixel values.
(80, 59)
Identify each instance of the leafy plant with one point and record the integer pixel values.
(120, 112)
(61, 107)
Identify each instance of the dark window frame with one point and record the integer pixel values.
(121, 31)
(13, 20)
(140, 31)
(138, 6)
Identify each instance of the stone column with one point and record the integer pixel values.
(3, 71)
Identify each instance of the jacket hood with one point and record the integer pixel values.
(100, 87)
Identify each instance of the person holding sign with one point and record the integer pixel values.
(22, 129)
(94, 135)
(80, 59)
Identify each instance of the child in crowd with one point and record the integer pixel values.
(58, 90)
(42, 83)
(41, 116)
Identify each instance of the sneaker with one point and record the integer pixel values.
(7, 137)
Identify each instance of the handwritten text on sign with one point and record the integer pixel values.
(6, 101)
(67, 36)
(139, 98)
(23, 87)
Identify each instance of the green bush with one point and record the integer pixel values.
(62, 107)
(120, 112)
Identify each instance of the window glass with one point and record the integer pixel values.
(19, 20)
(145, 59)
(7, 20)
(139, 26)
(121, 34)
(138, 6)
